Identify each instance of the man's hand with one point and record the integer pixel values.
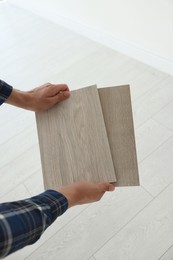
(40, 98)
(84, 192)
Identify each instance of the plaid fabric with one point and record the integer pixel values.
(5, 91)
(23, 222)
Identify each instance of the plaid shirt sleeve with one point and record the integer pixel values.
(23, 222)
(5, 91)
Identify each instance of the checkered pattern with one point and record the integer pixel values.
(23, 222)
(5, 91)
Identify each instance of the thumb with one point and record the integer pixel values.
(106, 186)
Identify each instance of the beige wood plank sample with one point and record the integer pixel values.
(73, 141)
(117, 112)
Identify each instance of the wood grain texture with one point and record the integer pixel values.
(117, 112)
(151, 230)
(83, 230)
(73, 141)
(94, 227)
(168, 255)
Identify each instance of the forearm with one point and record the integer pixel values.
(38, 99)
(13, 96)
(23, 222)
(19, 98)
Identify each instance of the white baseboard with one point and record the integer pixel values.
(128, 48)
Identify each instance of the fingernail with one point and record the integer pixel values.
(66, 93)
(111, 187)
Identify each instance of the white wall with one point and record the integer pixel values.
(142, 29)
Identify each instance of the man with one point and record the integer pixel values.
(23, 222)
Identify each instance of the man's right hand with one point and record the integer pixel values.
(84, 192)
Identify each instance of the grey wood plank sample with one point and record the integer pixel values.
(73, 141)
(117, 112)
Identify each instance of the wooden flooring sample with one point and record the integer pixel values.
(73, 141)
(117, 112)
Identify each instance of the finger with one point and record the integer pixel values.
(61, 87)
(106, 186)
(62, 95)
(55, 90)
(64, 92)
(111, 187)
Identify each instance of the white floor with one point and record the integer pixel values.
(129, 224)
